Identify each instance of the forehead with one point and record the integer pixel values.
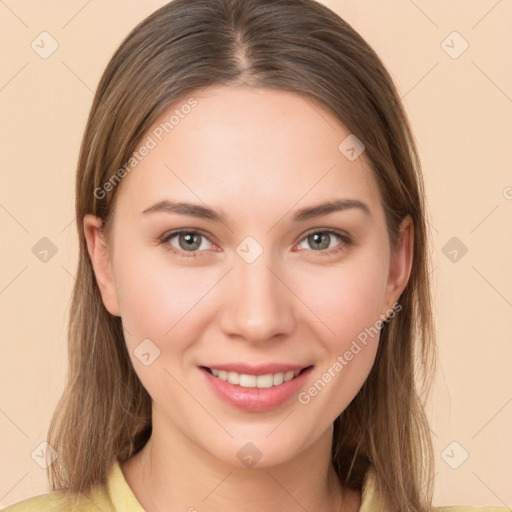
(261, 148)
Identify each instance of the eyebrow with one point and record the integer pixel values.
(196, 210)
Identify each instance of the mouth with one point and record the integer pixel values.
(252, 380)
(259, 391)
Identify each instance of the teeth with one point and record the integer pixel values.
(247, 381)
(234, 378)
(254, 381)
(278, 379)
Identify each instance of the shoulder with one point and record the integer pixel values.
(51, 502)
(469, 508)
(58, 501)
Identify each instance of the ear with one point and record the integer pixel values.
(102, 265)
(401, 263)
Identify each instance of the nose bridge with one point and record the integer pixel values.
(260, 305)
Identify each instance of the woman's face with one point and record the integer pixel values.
(266, 285)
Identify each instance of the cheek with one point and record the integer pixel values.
(160, 302)
(347, 298)
(155, 298)
(170, 304)
(348, 301)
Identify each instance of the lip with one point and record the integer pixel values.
(258, 369)
(256, 399)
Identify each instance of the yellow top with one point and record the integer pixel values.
(120, 498)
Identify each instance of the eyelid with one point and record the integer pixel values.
(338, 232)
(345, 238)
(174, 232)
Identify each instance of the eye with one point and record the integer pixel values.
(190, 242)
(321, 240)
(187, 240)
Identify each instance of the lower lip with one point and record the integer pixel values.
(256, 399)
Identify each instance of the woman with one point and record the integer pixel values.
(252, 293)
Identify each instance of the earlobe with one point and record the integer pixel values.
(97, 249)
(401, 262)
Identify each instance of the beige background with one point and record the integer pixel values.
(461, 112)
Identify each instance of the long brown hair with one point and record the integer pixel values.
(290, 45)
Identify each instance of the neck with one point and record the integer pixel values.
(171, 471)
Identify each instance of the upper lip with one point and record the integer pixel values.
(258, 369)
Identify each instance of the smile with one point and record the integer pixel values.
(255, 393)
(255, 381)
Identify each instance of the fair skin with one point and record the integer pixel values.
(258, 156)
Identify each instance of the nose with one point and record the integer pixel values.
(259, 304)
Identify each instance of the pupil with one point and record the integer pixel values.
(317, 238)
(190, 238)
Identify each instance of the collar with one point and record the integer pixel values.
(371, 501)
(120, 492)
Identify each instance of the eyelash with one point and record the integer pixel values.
(346, 240)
